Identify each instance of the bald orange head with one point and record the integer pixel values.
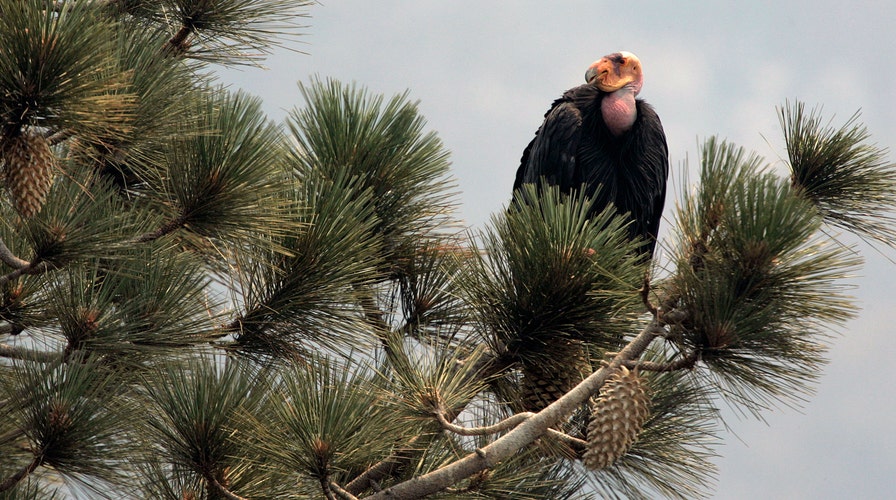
(615, 71)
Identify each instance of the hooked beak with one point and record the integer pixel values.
(612, 72)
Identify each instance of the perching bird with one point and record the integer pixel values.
(600, 134)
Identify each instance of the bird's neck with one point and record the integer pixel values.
(619, 110)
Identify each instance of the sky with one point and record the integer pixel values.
(485, 72)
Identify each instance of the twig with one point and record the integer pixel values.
(60, 136)
(341, 492)
(22, 473)
(328, 492)
(20, 266)
(229, 495)
(35, 268)
(177, 44)
(8, 351)
(167, 228)
(10, 259)
(645, 296)
(579, 445)
(688, 361)
(503, 425)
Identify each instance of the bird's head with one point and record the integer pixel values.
(615, 71)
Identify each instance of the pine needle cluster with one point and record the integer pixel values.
(762, 286)
(846, 176)
(545, 272)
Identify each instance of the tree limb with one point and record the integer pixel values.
(645, 295)
(524, 434)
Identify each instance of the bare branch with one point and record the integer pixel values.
(503, 425)
(686, 362)
(10, 258)
(579, 445)
(344, 495)
(31, 269)
(325, 486)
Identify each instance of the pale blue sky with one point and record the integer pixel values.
(485, 72)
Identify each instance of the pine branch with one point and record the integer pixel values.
(484, 367)
(508, 423)
(20, 266)
(501, 449)
(233, 31)
(578, 445)
(841, 171)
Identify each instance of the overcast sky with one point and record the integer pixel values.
(486, 71)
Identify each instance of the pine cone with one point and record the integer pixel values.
(617, 418)
(545, 382)
(28, 171)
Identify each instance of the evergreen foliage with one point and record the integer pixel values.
(210, 305)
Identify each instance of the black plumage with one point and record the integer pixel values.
(575, 149)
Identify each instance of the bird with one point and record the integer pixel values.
(600, 138)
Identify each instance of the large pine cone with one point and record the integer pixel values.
(618, 416)
(28, 168)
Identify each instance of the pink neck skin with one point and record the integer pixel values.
(619, 110)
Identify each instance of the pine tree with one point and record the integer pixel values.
(196, 302)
